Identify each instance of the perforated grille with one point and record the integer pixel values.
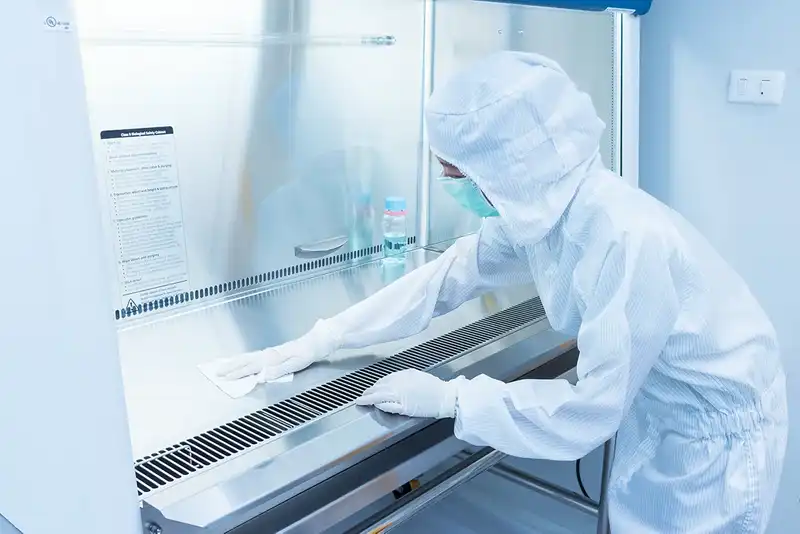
(182, 460)
(248, 282)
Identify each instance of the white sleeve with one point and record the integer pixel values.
(472, 266)
(629, 314)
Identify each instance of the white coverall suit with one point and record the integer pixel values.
(676, 355)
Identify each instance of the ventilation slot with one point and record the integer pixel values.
(170, 465)
(134, 309)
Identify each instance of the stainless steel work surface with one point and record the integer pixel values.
(169, 400)
(251, 469)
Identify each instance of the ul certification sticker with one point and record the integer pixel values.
(56, 24)
(54, 15)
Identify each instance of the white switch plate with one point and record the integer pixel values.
(757, 87)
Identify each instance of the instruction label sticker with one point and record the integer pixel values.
(144, 204)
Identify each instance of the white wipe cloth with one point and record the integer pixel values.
(235, 389)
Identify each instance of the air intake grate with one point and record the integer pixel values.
(133, 309)
(170, 465)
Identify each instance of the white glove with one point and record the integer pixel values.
(275, 362)
(413, 393)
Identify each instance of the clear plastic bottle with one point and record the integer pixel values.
(362, 222)
(395, 239)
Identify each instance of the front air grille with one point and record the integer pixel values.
(164, 468)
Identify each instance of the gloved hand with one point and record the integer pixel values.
(413, 393)
(275, 362)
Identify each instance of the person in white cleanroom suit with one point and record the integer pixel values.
(676, 355)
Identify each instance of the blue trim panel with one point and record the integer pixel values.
(640, 7)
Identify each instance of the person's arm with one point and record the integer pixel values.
(472, 266)
(630, 312)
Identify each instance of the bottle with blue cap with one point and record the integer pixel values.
(395, 239)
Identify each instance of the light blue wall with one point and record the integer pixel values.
(731, 169)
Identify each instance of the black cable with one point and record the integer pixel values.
(580, 479)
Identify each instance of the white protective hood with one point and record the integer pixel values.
(519, 127)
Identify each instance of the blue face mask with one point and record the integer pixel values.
(469, 195)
